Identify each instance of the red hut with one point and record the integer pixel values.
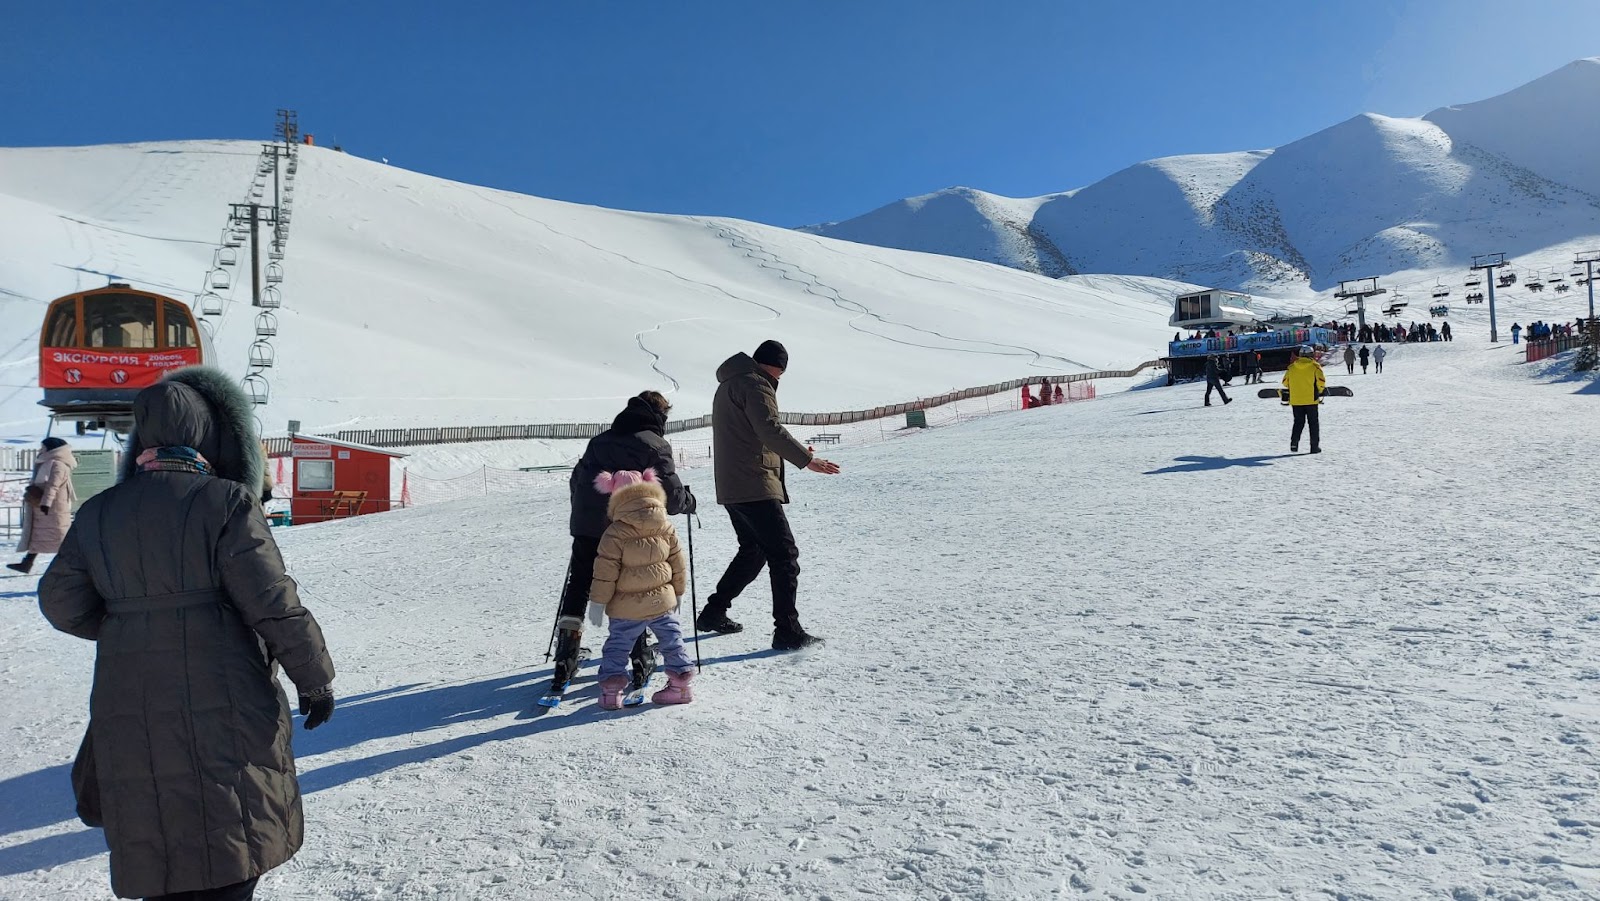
(334, 479)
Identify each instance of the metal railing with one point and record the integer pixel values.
(432, 435)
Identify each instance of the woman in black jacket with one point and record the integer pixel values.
(175, 575)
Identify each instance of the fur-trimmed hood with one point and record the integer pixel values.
(199, 407)
(642, 504)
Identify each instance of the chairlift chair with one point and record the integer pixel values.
(256, 387)
(226, 256)
(1439, 293)
(221, 279)
(271, 297)
(1473, 281)
(1562, 289)
(274, 273)
(261, 355)
(266, 324)
(209, 304)
(232, 240)
(275, 253)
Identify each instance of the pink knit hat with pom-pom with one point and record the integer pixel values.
(612, 482)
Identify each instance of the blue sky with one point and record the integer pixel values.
(775, 110)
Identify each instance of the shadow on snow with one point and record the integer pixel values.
(1203, 464)
(44, 797)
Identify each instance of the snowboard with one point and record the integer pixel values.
(1283, 393)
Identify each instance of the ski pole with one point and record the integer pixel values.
(549, 649)
(694, 600)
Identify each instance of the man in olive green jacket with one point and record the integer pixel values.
(749, 446)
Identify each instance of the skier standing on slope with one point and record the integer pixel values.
(636, 441)
(1378, 354)
(175, 576)
(1350, 358)
(639, 575)
(1305, 382)
(1366, 355)
(749, 446)
(1214, 380)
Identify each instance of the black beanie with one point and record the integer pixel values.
(771, 353)
(51, 443)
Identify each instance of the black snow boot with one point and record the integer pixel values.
(25, 566)
(793, 638)
(644, 661)
(716, 621)
(569, 647)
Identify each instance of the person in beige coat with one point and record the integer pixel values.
(639, 574)
(47, 503)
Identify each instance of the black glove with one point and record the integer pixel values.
(45, 510)
(689, 503)
(317, 706)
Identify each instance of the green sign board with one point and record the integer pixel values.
(97, 471)
(916, 419)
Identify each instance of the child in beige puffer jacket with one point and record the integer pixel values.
(639, 574)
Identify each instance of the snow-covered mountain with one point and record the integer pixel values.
(1369, 196)
(410, 300)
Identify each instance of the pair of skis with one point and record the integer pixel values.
(638, 683)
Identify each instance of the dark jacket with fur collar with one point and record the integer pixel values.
(177, 578)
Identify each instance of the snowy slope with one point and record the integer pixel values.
(1369, 196)
(411, 300)
(1113, 650)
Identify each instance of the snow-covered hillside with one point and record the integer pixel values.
(411, 300)
(1370, 196)
(1120, 649)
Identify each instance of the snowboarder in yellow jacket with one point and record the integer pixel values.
(1305, 382)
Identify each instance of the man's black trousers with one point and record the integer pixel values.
(1303, 414)
(764, 540)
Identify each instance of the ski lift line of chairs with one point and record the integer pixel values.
(209, 304)
(261, 355)
(255, 386)
(266, 324)
(274, 273)
(271, 297)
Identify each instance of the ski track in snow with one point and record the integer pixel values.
(811, 285)
(1120, 649)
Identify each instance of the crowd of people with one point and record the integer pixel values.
(1541, 330)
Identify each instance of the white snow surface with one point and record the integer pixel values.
(1370, 196)
(1117, 649)
(410, 300)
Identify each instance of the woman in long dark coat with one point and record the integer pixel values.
(175, 574)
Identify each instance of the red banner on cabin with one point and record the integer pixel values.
(70, 367)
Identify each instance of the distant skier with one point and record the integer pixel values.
(749, 447)
(1366, 354)
(1060, 397)
(1044, 393)
(1378, 354)
(635, 441)
(639, 575)
(1444, 331)
(1350, 358)
(1252, 368)
(46, 503)
(1516, 332)
(1214, 380)
(1306, 382)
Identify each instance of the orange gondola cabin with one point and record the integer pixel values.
(98, 348)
